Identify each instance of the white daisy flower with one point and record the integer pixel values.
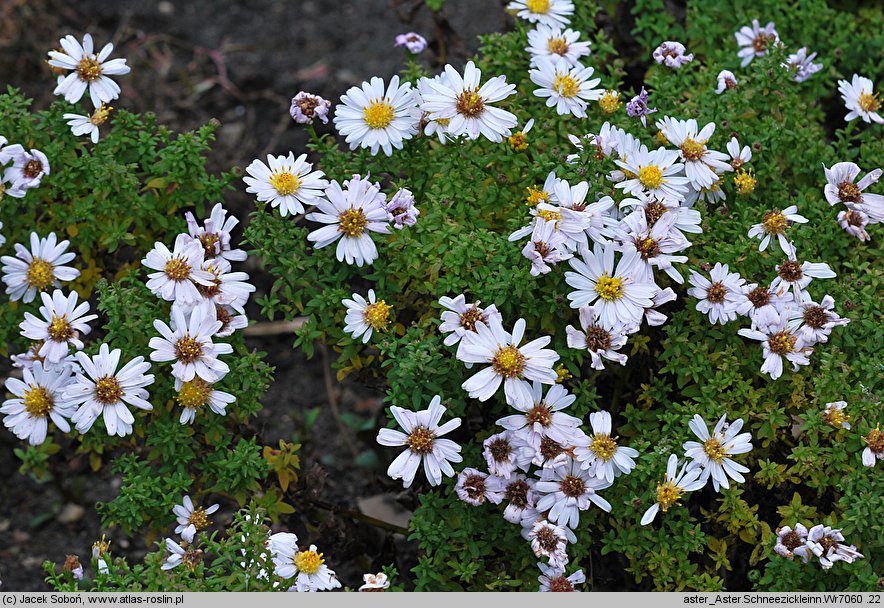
(62, 323)
(520, 498)
(774, 224)
(365, 316)
(796, 277)
(422, 437)
(36, 400)
(88, 124)
(178, 272)
(701, 165)
(739, 156)
(374, 118)
(755, 41)
(542, 417)
(842, 189)
(654, 317)
(566, 490)
(814, 322)
(546, 248)
(460, 318)
(100, 390)
(802, 64)
(30, 272)
(549, 540)
(589, 218)
(467, 105)
(350, 215)
(726, 80)
(191, 519)
(214, 234)
(507, 362)
(874, 447)
(719, 297)
(196, 394)
(185, 553)
(27, 359)
(600, 454)
(713, 454)
(88, 71)
(226, 287)
(835, 415)
(566, 87)
(374, 583)
(188, 342)
(675, 485)
(401, 210)
(598, 340)
(503, 458)
(26, 171)
(686, 219)
(672, 54)
(854, 223)
(761, 304)
(544, 12)
(285, 182)
(475, 487)
(827, 544)
(421, 117)
(552, 42)
(788, 540)
(656, 174)
(779, 341)
(859, 99)
(656, 245)
(554, 579)
(620, 297)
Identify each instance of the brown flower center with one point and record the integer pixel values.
(774, 222)
(816, 317)
(32, 168)
(875, 440)
(853, 218)
(517, 494)
(188, 350)
(716, 293)
(177, 269)
(549, 449)
(647, 248)
(790, 271)
(849, 192)
(539, 414)
(782, 343)
(654, 211)
(791, 540)
(560, 584)
(474, 486)
(469, 103)
(572, 486)
(500, 449)
(198, 518)
(760, 296)
(470, 317)
(420, 441)
(598, 338)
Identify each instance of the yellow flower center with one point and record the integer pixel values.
(604, 446)
(194, 394)
(745, 182)
(177, 269)
(37, 401)
(549, 216)
(60, 329)
(100, 115)
(107, 390)
(714, 450)
(566, 85)
(610, 102)
(869, 102)
(518, 141)
(668, 494)
(609, 288)
(836, 417)
(693, 150)
(198, 518)
(379, 114)
(188, 350)
(88, 69)
(536, 196)
(285, 182)
(782, 343)
(377, 315)
(308, 562)
(469, 103)
(40, 274)
(651, 176)
(562, 373)
(774, 222)
(352, 222)
(557, 46)
(420, 441)
(509, 362)
(538, 6)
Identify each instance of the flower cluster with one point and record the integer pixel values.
(822, 542)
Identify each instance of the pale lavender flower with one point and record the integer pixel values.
(307, 106)
(638, 107)
(414, 42)
(803, 64)
(672, 54)
(401, 210)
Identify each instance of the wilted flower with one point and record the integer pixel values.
(307, 106)
(638, 107)
(672, 54)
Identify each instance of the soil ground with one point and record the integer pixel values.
(239, 62)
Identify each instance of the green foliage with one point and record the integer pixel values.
(472, 196)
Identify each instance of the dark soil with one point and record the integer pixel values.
(239, 63)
